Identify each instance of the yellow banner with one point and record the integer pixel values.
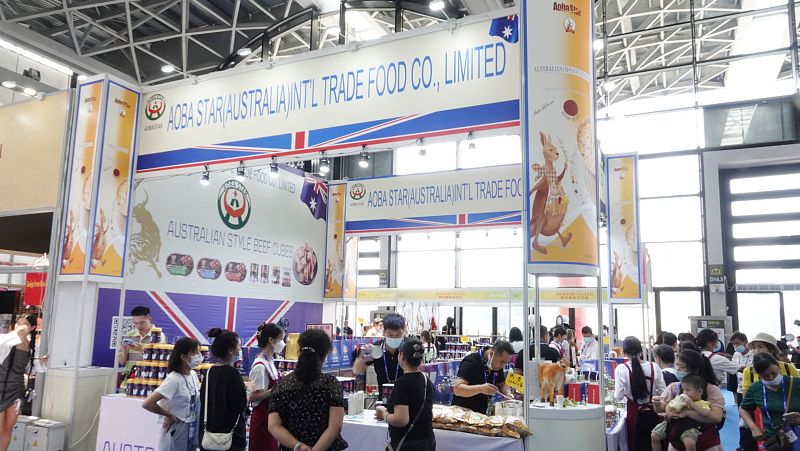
(623, 231)
(85, 136)
(334, 266)
(116, 175)
(516, 382)
(554, 295)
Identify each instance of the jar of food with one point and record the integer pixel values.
(168, 352)
(206, 354)
(155, 335)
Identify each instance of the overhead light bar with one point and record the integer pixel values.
(29, 92)
(273, 168)
(204, 178)
(168, 68)
(240, 172)
(436, 5)
(244, 51)
(36, 57)
(9, 84)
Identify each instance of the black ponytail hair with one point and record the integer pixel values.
(697, 363)
(267, 331)
(412, 351)
(314, 346)
(225, 341)
(633, 347)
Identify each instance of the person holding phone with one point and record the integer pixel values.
(177, 398)
(410, 409)
(131, 349)
(382, 355)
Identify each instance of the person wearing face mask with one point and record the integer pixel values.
(708, 343)
(264, 376)
(776, 395)
(692, 362)
(590, 349)
(15, 357)
(387, 365)
(223, 394)
(742, 357)
(177, 398)
(481, 376)
(765, 343)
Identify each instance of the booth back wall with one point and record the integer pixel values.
(193, 315)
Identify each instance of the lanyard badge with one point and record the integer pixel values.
(192, 409)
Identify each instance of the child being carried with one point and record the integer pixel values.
(679, 409)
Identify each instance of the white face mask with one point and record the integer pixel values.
(196, 360)
(279, 346)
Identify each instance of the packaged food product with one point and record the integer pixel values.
(147, 352)
(155, 335)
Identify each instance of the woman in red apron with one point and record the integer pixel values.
(637, 382)
(264, 376)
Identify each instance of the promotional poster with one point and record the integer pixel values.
(334, 265)
(262, 237)
(558, 133)
(623, 228)
(116, 174)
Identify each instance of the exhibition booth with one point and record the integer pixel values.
(184, 198)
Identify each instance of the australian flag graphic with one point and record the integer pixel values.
(506, 28)
(315, 196)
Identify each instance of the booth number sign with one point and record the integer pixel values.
(716, 274)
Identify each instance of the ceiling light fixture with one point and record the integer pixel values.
(273, 168)
(436, 5)
(240, 172)
(168, 68)
(598, 45)
(470, 142)
(363, 162)
(9, 84)
(422, 150)
(29, 92)
(324, 165)
(244, 51)
(204, 179)
(609, 86)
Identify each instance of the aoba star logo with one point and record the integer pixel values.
(155, 107)
(358, 191)
(234, 205)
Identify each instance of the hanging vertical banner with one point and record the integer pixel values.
(625, 280)
(115, 176)
(558, 137)
(334, 264)
(351, 268)
(85, 138)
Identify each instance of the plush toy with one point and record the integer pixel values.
(550, 202)
(552, 376)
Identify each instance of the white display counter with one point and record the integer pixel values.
(573, 428)
(364, 433)
(125, 425)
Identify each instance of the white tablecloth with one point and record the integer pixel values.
(125, 425)
(364, 433)
(617, 437)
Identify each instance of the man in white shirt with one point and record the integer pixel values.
(590, 348)
(708, 342)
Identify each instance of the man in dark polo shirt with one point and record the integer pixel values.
(387, 367)
(482, 375)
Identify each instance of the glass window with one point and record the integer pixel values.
(369, 244)
(649, 133)
(670, 219)
(428, 269)
(368, 281)
(765, 206)
(766, 253)
(766, 229)
(767, 276)
(490, 238)
(759, 312)
(791, 309)
(369, 263)
(676, 307)
(765, 183)
(672, 176)
(426, 241)
(491, 268)
(629, 322)
(493, 151)
(426, 158)
(677, 264)
(477, 321)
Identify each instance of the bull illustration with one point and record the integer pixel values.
(146, 244)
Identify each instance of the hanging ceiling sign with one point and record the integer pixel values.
(445, 80)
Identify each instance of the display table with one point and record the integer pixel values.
(617, 436)
(365, 433)
(573, 428)
(125, 425)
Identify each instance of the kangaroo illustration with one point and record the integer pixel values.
(146, 244)
(616, 275)
(549, 199)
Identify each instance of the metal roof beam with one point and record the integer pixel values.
(58, 10)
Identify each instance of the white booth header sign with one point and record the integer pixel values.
(260, 238)
(483, 197)
(455, 79)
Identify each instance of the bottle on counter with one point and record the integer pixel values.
(155, 335)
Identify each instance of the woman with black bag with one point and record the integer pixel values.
(637, 382)
(410, 409)
(778, 397)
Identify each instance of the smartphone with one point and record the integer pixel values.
(128, 341)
